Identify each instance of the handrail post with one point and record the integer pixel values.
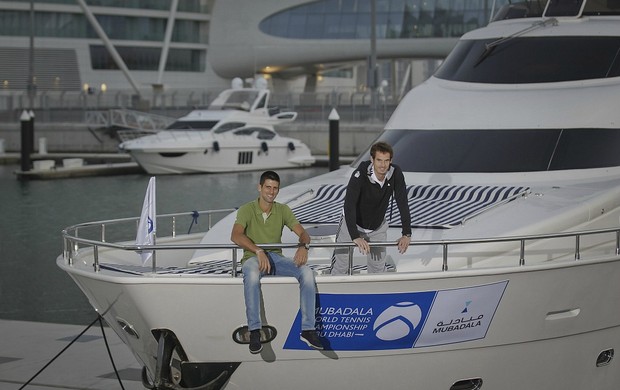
(577, 254)
(350, 272)
(154, 255)
(209, 220)
(96, 257)
(174, 227)
(103, 232)
(234, 262)
(68, 251)
(444, 266)
(522, 253)
(617, 242)
(75, 244)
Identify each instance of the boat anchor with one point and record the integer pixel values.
(170, 355)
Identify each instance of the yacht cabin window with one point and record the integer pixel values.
(556, 8)
(192, 125)
(521, 150)
(258, 132)
(533, 60)
(563, 8)
(229, 126)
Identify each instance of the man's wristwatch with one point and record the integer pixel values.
(302, 245)
(407, 235)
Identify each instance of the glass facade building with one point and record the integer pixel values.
(74, 25)
(137, 29)
(395, 19)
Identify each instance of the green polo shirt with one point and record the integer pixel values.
(262, 231)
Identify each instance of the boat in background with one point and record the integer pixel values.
(510, 153)
(252, 147)
(237, 106)
(236, 133)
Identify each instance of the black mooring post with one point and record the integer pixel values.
(334, 148)
(26, 138)
(31, 113)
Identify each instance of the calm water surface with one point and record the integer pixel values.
(32, 287)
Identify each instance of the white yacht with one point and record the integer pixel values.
(235, 133)
(512, 279)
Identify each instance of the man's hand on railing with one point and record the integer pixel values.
(403, 244)
(362, 245)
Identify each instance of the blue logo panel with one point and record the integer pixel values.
(367, 322)
(359, 322)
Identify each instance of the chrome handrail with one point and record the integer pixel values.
(71, 241)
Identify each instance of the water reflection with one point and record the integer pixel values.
(32, 288)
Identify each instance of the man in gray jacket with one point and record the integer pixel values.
(368, 195)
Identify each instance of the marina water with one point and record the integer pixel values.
(33, 213)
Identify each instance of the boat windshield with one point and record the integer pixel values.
(533, 60)
(240, 100)
(523, 150)
(534, 9)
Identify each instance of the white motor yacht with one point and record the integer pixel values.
(236, 133)
(510, 154)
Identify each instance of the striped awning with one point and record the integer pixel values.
(432, 206)
(214, 267)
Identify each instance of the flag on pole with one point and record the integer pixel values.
(147, 227)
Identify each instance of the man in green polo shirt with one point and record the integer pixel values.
(261, 222)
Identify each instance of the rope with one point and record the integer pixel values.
(71, 343)
(195, 216)
(105, 339)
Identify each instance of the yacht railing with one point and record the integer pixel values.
(72, 240)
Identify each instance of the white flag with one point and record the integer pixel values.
(147, 228)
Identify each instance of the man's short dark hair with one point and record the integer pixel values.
(382, 147)
(269, 175)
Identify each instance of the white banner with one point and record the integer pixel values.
(461, 314)
(147, 228)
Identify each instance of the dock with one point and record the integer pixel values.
(14, 157)
(68, 165)
(27, 347)
(108, 169)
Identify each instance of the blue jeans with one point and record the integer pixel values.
(283, 267)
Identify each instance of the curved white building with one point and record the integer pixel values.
(200, 44)
(297, 36)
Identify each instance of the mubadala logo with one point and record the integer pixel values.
(397, 321)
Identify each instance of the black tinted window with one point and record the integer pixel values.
(502, 150)
(229, 126)
(533, 60)
(586, 148)
(563, 7)
(188, 125)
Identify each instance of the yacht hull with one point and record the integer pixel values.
(511, 277)
(208, 161)
(540, 333)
